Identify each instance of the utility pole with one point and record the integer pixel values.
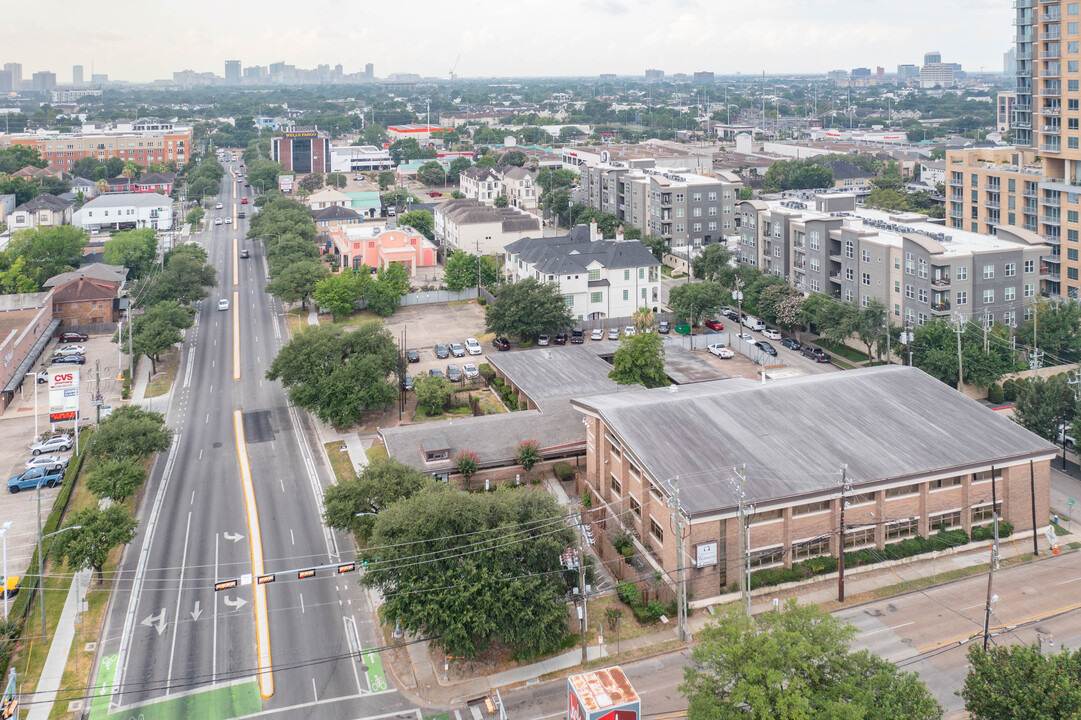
(744, 538)
(986, 322)
(97, 390)
(960, 369)
(681, 603)
(845, 487)
(1035, 342)
(582, 580)
(991, 566)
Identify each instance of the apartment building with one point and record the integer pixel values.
(688, 209)
(921, 271)
(122, 211)
(1004, 110)
(144, 142)
(470, 225)
(868, 420)
(598, 278)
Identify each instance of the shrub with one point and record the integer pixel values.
(995, 394)
(523, 405)
(987, 532)
(644, 613)
(1009, 390)
(487, 373)
(482, 301)
(512, 401)
(527, 454)
(627, 551)
(612, 616)
(498, 384)
(587, 499)
(563, 471)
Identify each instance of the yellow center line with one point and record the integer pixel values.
(236, 334)
(262, 628)
(1022, 621)
(236, 269)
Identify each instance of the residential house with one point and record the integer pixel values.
(87, 187)
(598, 278)
(470, 225)
(481, 183)
(32, 173)
(328, 197)
(520, 187)
(86, 301)
(374, 246)
(335, 216)
(848, 174)
(124, 211)
(99, 271)
(42, 211)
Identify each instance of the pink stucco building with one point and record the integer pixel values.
(376, 246)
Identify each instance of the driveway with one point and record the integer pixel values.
(426, 325)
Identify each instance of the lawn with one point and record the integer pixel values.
(420, 416)
(339, 460)
(168, 364)
(376, 452)
(358, 318)
(293, 320)
(842, 350)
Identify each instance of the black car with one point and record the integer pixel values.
(560, 338)
(816, 354)
(73, 337)
(766, 348)
(435, 372)
(69, 360)
(407, 382)
(664, 327)
(412, 356)
(730, 313)
(501, 343)
(791, 343)
(441, 352)
(241, 214)
(577, 337)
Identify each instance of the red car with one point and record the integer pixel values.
(714, 325)
(243, 201)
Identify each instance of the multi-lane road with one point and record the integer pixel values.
(237, 497)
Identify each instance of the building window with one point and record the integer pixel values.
(655, 530)
(811, 548)
(945, 520)
(617, 489)
(921, 295)
(849, 249)
(942, 483)
(866, 255)
(861, 498)
(962, 297)
(850, 274)
(866, 278)
(1009, 294)
(902, 491)
(910, 292)
(902, 529)
(983, 513)
(1011, 269)
(767, 557)
(910, 264)
(962, 273)
(988, 272)
(922, 272)
(1030, 266)
(897, 286)
(859, 537)
(807, 509)
(765, 516)
(594, 274)
(988, 297)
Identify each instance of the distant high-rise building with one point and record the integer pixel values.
(932, 57)
(704, 78)
(43, 81)
(838, 76)
(908, 72)
(16, 70)
(232, 71)
(880, 72)
(5, 81)
(861, 72)
(937, 75)
(277, 69)
(369, 71)
(99, 79)
(608, 77)
(1009, 62)
(654, 75)
(77, 75)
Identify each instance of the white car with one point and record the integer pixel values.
(51, 462)
(613, 334)
(59, 443)
(69, 350)
(597, 334)
(223, 304)
(746, 337)
(470, 371)
(217, 221)
(721, 350)
(772, 334)
(228, 221)
(629, 330)
(472, 346)
(219, 206)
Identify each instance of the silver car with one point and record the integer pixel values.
(613, 334)
(470, 371)
(457, 350)
(50, 462)
(66, 350)
(59, 443)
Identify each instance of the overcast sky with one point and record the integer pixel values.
(142, 41)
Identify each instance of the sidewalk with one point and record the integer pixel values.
(60, 649)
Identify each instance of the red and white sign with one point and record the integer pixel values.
(63, 394)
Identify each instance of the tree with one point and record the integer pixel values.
(339, 293)
(195, 216)
(296, 283)
(116, 479)
(159, 329)
(185, 278)
(870, 322)
(505, 585)
(386, 179)
(1020, 682)
(527, 454)
(527, 309)
(934, 350)
(694, 300)
(432, 173)
(517, 158)
(23, 190)
(91, 534)
(15, 280)
(454, 172)
(336, 180)
(384, 481)
(433, 393)
(312, 181)
(797, 663)
(130, 433)
(640, 360)
(1059, 325)
(460, 271)
(47, 251)
(381, 298)
(659, 246)
(289, 250)
(746, 193)
(420, 220)
(1044, 404)
(374, 135)
(714, 263)
(338, 375)
(133, 249)
(501, 201)
(466, 463)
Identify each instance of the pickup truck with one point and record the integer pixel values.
(32, 478)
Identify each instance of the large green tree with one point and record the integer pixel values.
(159, 329)
(420, 220)
(693, 301)
(1059, 326)
(91, 534)
(338, 375)
(433, 393)
(640, 360)
(116, 479)
(460, 271)
(339, 293)
(130, 433)
(352, 504)
(47, 251)
(297, 282)
(714, 263)
(796, 664)
(432, 173)
(1020, 682)
(185, 278)
(526, 309)
(934, 350)
(1044, 404)
(133, 249)
(473, 569)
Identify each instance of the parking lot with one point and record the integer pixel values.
(17, 433)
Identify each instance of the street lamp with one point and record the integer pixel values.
(35, 376)
(4, 535)
(41, 563)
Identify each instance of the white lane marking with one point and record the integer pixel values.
(140, 571)
(191, 364)
(313, 478)
(179, 596)
(200, 453)
(291, 536)
(192, 498)
(875, 632)
(207, 419)
(1068, 581)
(214, 641)
(314, 691)
(301, 602)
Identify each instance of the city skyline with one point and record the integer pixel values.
(494, 41)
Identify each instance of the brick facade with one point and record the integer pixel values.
(85, 301)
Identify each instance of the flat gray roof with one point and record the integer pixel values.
(886, 423)
(559, 372)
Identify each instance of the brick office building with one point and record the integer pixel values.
(919, 455)
(86, 301)
(303, 150)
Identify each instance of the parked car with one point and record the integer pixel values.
(441, 352)
(791, 343)
(223, 304)
(629, 330)
(577, 337)
(72, 337)
(433, 193)
(69, 360)
(816, 354)
(57, 443)
(435, 372)
(714, 324)
(50, 462)
(765, 347)
(457, 350)
(43, 377)
(543, 340)
(664, 327)
(721, 350)
(560, 338)
(501, 343)
(470, 371)
(597, 334)
(412, 356)
(750, 321)
(613, 334)
(772, 334)
(746, 337)
(69, 350)
(730, 313)
(472, 346)
(454, 374)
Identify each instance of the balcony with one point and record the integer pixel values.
(956, 182)
(1053, 111)
(1051, 147)
(835, 277)
(940, 308)
(1030, 192)
(957, 198)
(993, 204)
(940, 282)
(1022, 4)
(1031, 228)
(1054, 260)
(993, 186)
(957, 214)
(1051, 17)
(1052, 240)
(1051, 35)
(1051, 91)
(1047, 274)
(836, 258)
(1053, 202)
(1051, 72)
(1051, 219)
(1024, 124)
(801, 264)
(1051, 129)
(1050, 54)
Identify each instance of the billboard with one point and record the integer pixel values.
(604, 694)
(285, 184)
(63, 394)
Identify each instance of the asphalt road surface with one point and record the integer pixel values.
(238, 495)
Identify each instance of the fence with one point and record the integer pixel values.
(620, 322)
(427, 297)
(89, 329)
